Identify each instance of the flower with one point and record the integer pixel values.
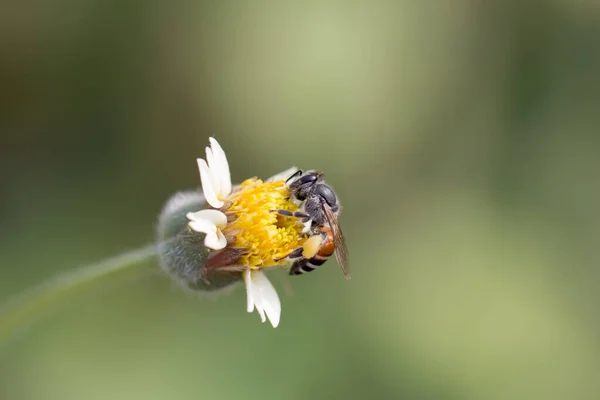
(215, 176)
(262, 295)
(210, 222)
(243, 218)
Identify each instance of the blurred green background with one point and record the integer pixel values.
(461, 136)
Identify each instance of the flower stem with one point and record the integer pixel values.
(20, 311)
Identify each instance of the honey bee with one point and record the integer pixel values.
(320, 211)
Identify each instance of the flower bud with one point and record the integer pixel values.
(182, 252)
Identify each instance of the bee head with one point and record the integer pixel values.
(305, 183)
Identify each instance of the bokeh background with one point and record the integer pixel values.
(461, 136)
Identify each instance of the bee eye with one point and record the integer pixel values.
(310, 178)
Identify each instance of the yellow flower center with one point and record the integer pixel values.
(267, 236)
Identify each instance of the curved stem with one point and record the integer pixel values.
(21, 310)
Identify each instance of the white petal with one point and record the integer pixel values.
(221, 167)
(307, 227)
(249, 295)
(269, 300)
(254, 296)
(210, 159)
(261, 312)
(215, 217)
(209, 222)
(282, 176)
(208, 185)
(203, 226)
(215, 241)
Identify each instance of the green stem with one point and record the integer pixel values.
(21, 310)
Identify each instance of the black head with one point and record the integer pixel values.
(305, 184)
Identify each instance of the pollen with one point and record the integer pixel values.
(266, 236)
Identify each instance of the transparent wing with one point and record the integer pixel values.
(341, 252)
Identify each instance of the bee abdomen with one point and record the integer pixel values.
(303, 266)
(316, 261)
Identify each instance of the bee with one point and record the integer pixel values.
(320, 210)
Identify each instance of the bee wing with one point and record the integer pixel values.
(341, 252)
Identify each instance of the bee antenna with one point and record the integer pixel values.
(295, 174)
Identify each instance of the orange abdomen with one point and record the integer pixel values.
(327, 248)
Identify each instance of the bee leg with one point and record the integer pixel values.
(298, 214)
(297, 253)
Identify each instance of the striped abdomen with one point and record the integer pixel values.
(314, 254)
